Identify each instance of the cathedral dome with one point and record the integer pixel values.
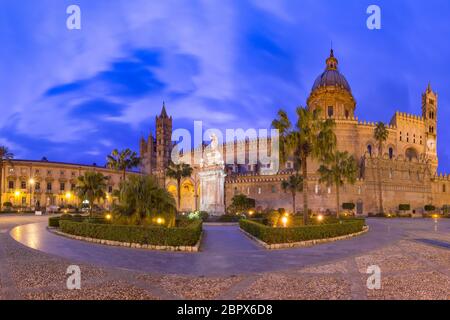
(331, 76)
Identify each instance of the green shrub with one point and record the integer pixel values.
(95, 220)
(230, 218)
(163, 236)
(272, 235)
(204, 215)
(429, 208)
(53, 222)
(348, 206)
(404, 207)
(7, 204)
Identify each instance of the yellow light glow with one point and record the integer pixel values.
(17, 193)
(108, 217)
(160, 221)
(251, 212)
(31, 181)
(435, 216)
(68, 195)
(320, 217)
(284, 221)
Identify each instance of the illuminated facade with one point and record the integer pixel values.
(407, 166)
(28, 184)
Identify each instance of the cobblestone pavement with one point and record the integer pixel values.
(411, 269)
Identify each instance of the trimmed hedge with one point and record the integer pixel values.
(54, 221)
(162, 236)
(230, 218)
(302, 233)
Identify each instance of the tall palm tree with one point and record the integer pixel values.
(92, 187)
(141, 196)
(312, 137)
(5, 157)
(178, 172)
(381, 135)
(293, 185)
(341, 167)
(122, 161)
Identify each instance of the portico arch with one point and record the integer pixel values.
(187, 195)
(411, 153)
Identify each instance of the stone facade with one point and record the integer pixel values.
(408, 162)
(27, 184)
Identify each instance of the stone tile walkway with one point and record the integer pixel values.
(410, 269)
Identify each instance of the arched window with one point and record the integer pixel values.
(369, 149)
(330, 111)
(391, 153)
(347, 114)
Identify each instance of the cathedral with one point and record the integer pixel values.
(408, 164)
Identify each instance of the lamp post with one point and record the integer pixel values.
(31, 183)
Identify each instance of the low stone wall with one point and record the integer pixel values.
(308, 243)
(195, 248)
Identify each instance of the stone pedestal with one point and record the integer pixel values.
(212, 190)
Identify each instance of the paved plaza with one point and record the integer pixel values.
(413, 255)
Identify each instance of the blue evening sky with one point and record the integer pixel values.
(75, 95)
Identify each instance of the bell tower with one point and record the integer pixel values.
(163, 140)
(429, 114)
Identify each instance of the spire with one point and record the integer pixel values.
(429, 87)
(163, 111)
(332, 62)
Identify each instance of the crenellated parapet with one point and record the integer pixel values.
(407, 117)
(372, 125)
(444, 177)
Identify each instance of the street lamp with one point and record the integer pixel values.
(284, 221)
(16, 197)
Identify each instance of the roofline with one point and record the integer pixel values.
(68, 164)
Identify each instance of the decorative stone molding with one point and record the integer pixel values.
(308, 243)
(195, 248)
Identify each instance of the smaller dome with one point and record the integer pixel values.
(331, 76)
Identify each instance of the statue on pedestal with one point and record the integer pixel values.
(212, 180)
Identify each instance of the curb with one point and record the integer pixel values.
(308, 243)
(113, 243)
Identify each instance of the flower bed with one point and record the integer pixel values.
(270, 235)
(151, 235)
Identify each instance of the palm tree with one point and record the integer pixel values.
(178, 172)
(294, 184)
(123, 160)
(91, 186)
(312, 137)
(341, 167)
(5, 156)
(381, 135)
(141, 196)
